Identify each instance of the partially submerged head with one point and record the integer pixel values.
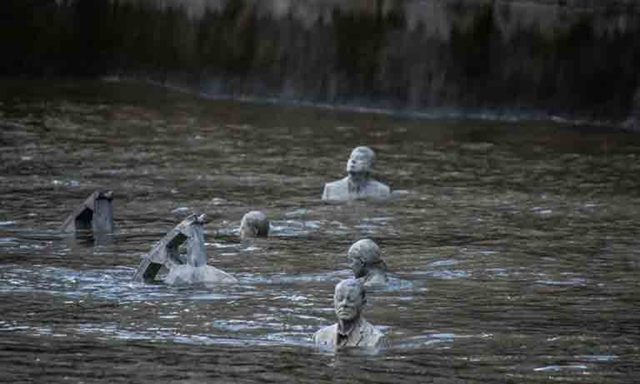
(254, 224)
(365, 256)
(361, 161)
(349, 299)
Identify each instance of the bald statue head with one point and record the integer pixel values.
(361, 161)
(254, 224)
(349, 299)
(365, 257)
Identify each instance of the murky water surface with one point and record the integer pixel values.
(513, 246)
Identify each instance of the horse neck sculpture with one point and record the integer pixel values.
(166, 252)
(95, 214)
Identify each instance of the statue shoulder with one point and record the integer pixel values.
(335, 189)
(374, 337)
(325, 336)
(338, 183)
(376, 280)
(378, 189)
(382, 187)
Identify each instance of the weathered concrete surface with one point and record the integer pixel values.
(94, 214)
(541, 59)
(438, 16)
(633, 121)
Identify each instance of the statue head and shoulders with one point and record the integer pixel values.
(254, 224)
(352, 329)
(359, 182)
(365, 260)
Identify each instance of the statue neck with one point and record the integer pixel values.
(345, 327)
(371, 272)
(358, 181)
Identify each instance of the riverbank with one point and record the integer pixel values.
(576, 60)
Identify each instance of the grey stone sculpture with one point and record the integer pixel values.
(366, 263)
(193, 269)
(94, 214)
(351, 330)
(359, 182)
(254, 224)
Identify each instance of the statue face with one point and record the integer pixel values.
(357, 265)
(348, 300)
(245, 230)
(359, 162)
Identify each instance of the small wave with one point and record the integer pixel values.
(598, 357)
(213, 297)
(442, 263)
(571, 282)
(555, 368)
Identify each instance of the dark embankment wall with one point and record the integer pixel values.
(574, 58)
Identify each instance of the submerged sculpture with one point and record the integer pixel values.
(351, 330)
(366, 263)
(193, 268)
(254, 224)
(359, 182)
(94, 214)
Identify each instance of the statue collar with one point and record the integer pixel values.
(352, 338)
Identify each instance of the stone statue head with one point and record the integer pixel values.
(349, 299)
(361, 160)
(363, 256)
(254, 224)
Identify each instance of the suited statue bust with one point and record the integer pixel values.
(359, 183)
(351, 330)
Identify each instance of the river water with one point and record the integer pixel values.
(513, 246)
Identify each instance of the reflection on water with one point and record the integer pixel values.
(512, 247)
